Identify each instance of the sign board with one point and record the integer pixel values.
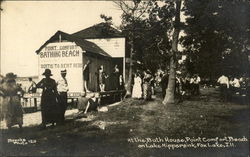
(115, 47)
(59, 56)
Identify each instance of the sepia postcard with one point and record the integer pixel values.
(167, 78)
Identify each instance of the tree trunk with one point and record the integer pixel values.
(170, 91)
(128, 89)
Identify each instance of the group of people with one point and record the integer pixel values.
(103, 78)
(143, 85)
(53, 99)
(233, 86)
(184, 85)
(54, 95)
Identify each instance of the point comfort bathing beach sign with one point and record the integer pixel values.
(63, 55)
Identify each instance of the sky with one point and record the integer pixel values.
(26, 25)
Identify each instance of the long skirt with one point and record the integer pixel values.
(147, 91)
(137, 91)
(49, 108)
(13, 111)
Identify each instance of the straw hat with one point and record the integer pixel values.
(64, 71)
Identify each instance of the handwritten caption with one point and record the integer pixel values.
(21, 141)
(187, 142)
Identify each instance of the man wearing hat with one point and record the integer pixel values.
(62, 88)
(88, 103)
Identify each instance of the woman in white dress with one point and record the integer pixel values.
(137, 89)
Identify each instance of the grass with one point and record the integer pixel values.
(107, 133)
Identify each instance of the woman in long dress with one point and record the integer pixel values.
(11, 102)
(49, 106)
(137, 89)
(147, 92)
(116, 75)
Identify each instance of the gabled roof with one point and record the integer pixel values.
(101, 30)
(84, 44)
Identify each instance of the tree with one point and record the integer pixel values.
(132, 12)
(170, 96)
(217, 37)
(152, 34)
(152, 45)
(161, 48)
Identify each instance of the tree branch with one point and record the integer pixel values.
(144, 10)
(121, 6)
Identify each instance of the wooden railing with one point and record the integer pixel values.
(31, 102)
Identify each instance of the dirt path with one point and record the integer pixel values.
(34, 119)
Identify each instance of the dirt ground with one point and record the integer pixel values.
(121, 130)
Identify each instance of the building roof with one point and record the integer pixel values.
(88, 46)
(101, 30)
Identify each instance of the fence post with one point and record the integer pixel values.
(35, 103)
